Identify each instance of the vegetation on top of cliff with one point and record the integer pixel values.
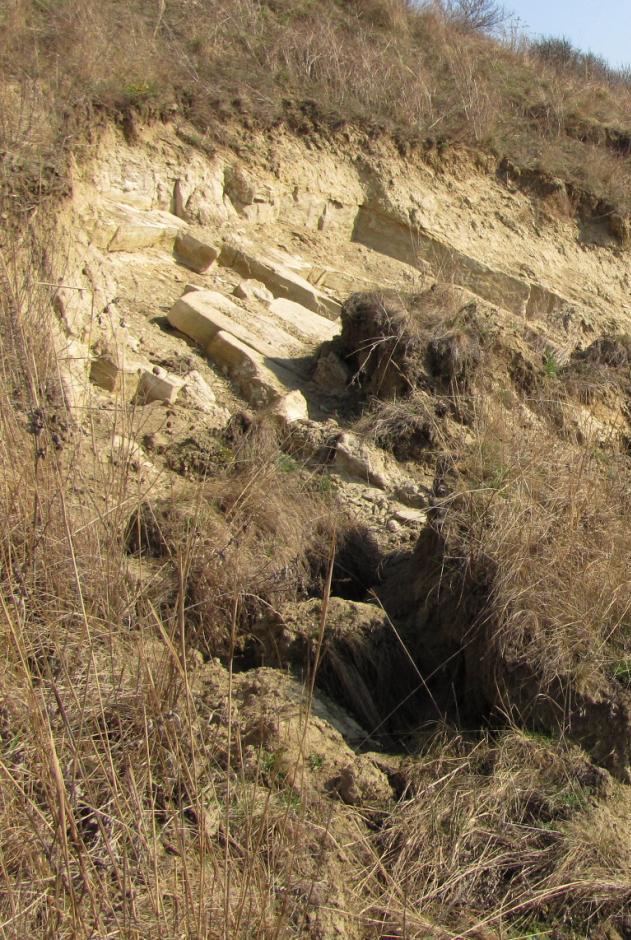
(429, 73)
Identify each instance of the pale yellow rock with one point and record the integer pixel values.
(73, 307)
(158, 385)
(253, 199)
(294, 262)
(290, 408)
(201, 314)
(136, 236)
(73, 358)
(114, 371)
(125, 450)
(198, 393)
(116, 226)
(357, 460)
(260, 212)
(392, 236)
(312, 326)
(250, 289)
(280, 279)
(246, 367)
(105, 373)
(309, 210)
(409, 516)
(196, 315)
(340, 282)
(196, 254)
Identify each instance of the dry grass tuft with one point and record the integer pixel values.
(550, 525)
(410, 427)
(500, 825)
(520, 599)
(397, 346)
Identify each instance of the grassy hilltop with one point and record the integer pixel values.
(429, 76)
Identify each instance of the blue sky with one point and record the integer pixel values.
(600, 26)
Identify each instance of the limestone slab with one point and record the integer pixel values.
(198, 392)
(135, 236)
(290, 408)
(195, 253)
(258, 384)
(424, 251)
(202, 314)
(408, 516)
(280, 279)
(158, 385)
(249, 289)
(355, 459)
(313, 326)
(340, 282)
(112, 371)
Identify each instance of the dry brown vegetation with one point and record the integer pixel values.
(423, 72)
(145, 788)
(496, 820)
(149, 791)
(130, 804)
(533, 517)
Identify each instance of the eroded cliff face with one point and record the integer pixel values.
(196, 286)
(314, 222)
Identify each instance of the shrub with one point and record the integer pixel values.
(476, 15)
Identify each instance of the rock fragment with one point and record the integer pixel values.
(289, 409)
(112, 371)
(196, 254)
(158, 385)
(251, 289)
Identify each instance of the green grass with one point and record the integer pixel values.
(622, 671)
(287, 464)
(315, 761)
(550, 365)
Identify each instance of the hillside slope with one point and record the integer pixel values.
(315, 479)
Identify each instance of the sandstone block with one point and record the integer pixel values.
(356, 460)
(127, 451)
(196, 254)
(197, 315)
(338, 281)
(408, 516)
(198, 393)
(113, 372)
(74, 309)
(135, 236)
(312, 326)
(202, 314)
(252, 199)
(250, 289)
(290, 408)
(280, 279)
(246, 367)
(158, 385)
